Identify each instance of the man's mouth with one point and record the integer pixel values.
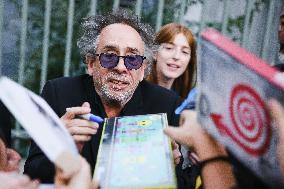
(118, 84)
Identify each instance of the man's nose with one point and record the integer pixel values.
(120, 66)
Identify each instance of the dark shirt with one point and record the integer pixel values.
(62, 93)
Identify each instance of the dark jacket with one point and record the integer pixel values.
(70, 92)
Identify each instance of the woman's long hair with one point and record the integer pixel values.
(183, 84)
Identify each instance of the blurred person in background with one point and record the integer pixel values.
(279, 67)
(9, 159)
(175, 61)
(281, 36)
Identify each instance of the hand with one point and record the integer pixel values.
(13, 160)
(81, 130)
(176, 152)
(277, 113)
(13, 180)
(188, 129)
(81, 178)
(191, 134)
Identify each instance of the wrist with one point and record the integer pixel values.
(206, 147)
(215, 159)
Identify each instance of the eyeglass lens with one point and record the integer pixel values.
(109, 60)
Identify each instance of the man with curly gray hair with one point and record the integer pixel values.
(113, 47)
(115, 86)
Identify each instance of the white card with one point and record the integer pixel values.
(37, 118)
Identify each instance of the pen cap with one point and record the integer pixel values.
(95, 118)
(188, 103)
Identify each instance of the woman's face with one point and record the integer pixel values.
(173, 58)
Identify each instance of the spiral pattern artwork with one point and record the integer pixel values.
(250, 119)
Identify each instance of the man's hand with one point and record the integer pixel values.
(176, 152)
(81, 130)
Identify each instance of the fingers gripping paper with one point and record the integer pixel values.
(38, 119)
(233, 88)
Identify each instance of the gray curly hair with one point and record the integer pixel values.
(93, 25)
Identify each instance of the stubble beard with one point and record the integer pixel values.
(111, 96)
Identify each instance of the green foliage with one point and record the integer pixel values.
(57, 38)
(235, 27)
(171, 11)
(58, 29)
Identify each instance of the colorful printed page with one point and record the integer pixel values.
(233, 88)
(135, 153)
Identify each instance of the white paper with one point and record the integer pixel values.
(37, 118)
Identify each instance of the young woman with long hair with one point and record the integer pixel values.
(175, 61)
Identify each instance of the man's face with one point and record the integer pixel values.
(117, 85)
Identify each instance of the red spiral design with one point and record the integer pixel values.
(250, 120)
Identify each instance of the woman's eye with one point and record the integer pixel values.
(168, 48)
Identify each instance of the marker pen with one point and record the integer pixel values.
(91, 117)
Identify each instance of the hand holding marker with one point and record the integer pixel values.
(81, 131)
(91, 117)
(88, 116)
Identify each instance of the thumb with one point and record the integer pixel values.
(86, 104)
(177, 133)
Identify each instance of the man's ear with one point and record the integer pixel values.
(90, 64)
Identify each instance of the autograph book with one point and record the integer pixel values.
(135, 153)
